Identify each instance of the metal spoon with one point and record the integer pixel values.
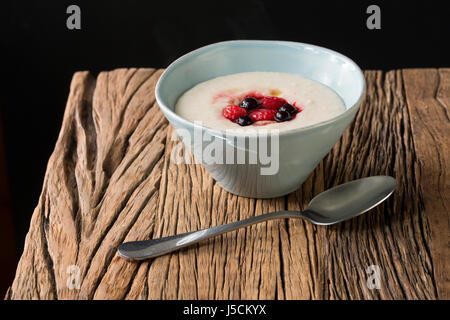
(337, 204)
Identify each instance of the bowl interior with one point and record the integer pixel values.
(323, 65)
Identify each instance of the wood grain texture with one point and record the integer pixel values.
(111, 179)
(428, 96)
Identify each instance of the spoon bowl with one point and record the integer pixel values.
(349, 200)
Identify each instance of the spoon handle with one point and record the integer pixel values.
(139, 250)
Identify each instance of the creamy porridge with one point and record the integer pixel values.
(268, 100)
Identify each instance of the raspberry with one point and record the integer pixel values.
(263, 114)
(272, 102)
(233, 112)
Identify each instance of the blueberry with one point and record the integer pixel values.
(249, 103)
(288, 108)
(282, 116)
(244, 121)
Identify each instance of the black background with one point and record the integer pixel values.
(39, 54)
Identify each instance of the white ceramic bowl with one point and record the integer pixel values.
(300, 150)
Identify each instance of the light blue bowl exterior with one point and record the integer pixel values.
(300, 150)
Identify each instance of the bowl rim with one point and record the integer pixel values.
(236, 132)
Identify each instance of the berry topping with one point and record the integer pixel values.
(249, 103)
(289, 108)
(283, 116)
(263, 114)
(244, 121)
(254, 106)
(233, 112)
(272, 102)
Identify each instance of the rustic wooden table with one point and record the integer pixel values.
(110, 179)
